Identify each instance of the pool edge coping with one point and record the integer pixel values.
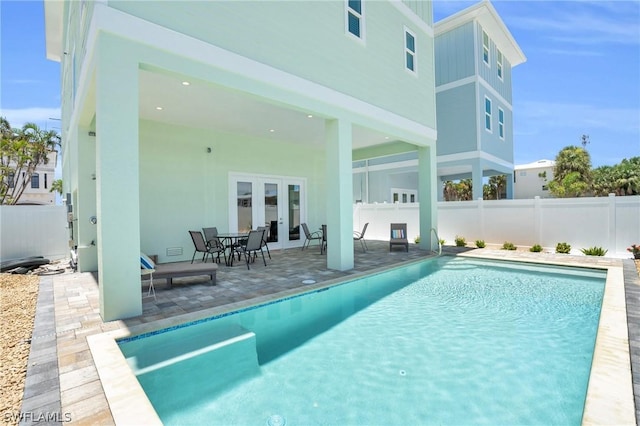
(609, 400)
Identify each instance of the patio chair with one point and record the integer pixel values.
(254, 244)
(309, 236)
(212, 240)
(359, 236)
(323, 246)
(264, 239)
(201, 246)
(398, 236)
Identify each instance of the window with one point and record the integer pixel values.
(487, 114)
(10, 178)
(485, 48)
(501, 123)
(35, 180)
(499, 62)
(410, 50)
(355, 17)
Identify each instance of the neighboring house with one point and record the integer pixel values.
(532, 180)
(475, 53)
(178, 116)
(38, 190)
(474, 56)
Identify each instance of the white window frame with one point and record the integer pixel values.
(501, 123)
(413, 53)
(499, 61)
(486, 48)
(488, 115)
(359, 15)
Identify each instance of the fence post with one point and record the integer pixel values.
(482, 218)
(612, 223)
(537, 220)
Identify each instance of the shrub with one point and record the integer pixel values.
(442, 242)
(508, 246)
(417, 239)
(480, 244)
(563, 248)
(460, 242)
(537, 248)
(594, 251)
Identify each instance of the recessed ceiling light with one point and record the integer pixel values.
(272, 130)
(309, 116)
(185, 83)
(159, 108)
(386, 137)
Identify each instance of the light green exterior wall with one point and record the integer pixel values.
(182, 187)
(308, 39)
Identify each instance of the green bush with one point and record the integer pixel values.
(563, 248)
(508, 246)
(537, 248)
(417, 239)
(460, 242)
(594, 251)
(442, 242)
(480, 244)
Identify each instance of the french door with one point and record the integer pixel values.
(276, 202)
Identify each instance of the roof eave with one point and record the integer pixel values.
(53, 13)
(488, 17)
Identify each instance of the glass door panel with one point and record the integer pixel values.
(293, 212)
(244, 201)
(271, 213)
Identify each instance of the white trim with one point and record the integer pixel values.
(488, 47)
(360, 15)
(386, 166)
(457, 83)
(473, 155)
(495, 93)
(490, 114)
(305, 93)
(413, 17)
(501, 125)
(413, 53)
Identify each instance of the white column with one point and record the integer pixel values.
(427, 188)
(339, 184)
(117, 182)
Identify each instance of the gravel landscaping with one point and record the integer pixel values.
(18, 295)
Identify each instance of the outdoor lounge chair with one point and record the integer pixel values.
(359, 236)
(310, 236)
(201, 247)
(398, 236)
(253, 245)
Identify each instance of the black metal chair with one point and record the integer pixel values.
(201, 247)
(323, 246)
(212, 240)
(359, 236)
(253, 245)
(310, 236)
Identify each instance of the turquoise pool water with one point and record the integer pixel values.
(447, 341)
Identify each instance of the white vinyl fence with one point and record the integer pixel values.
(33, 231)
(609, 222)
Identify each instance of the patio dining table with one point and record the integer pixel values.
(230, 240)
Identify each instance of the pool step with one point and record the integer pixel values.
(225, 345)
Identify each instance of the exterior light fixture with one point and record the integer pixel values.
(186, 83)
(159, 108)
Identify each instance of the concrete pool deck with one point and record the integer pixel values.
(77, 393)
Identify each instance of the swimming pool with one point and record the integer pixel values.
(448, 341)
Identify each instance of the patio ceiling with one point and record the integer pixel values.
(207, 106)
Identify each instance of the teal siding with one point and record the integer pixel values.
(454, 54)
(421, 8)
(490, 73)
(308, 39)
(456, 120)
(491, 142)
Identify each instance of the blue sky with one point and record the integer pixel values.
(582, 74)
